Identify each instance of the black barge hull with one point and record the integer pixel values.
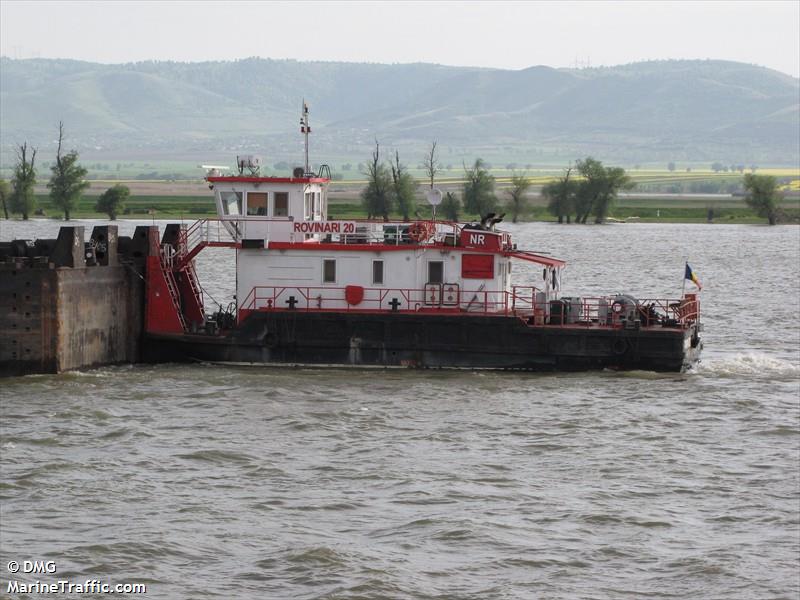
(431, 341)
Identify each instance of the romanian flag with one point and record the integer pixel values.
(690, 275)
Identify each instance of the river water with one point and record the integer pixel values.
(212, 482)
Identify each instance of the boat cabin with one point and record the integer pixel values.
(290, 255)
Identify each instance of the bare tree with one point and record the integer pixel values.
(430, 163)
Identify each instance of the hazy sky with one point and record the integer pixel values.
(511, 35)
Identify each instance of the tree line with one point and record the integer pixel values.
(390, 187)
(587, 189)
(592, 193)
(67, 184)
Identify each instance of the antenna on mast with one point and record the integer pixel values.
(305, 129)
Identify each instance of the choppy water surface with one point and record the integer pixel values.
(309, 483)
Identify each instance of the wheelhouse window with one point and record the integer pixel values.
(377, 272)
(231, 202)
(257, 204)
(281, 200)
(308, 205)
(329, 271)
(436, 271)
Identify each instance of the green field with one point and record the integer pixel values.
(651, 209)
(662, 196)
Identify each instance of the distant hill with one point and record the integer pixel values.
(698, 111)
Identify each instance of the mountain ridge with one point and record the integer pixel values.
(645, 111)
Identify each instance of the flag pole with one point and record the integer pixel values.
(685, 266)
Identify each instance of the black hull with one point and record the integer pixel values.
(430, 341)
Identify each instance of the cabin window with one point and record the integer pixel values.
(257, 204)
(377, 272)
(317, 204)
(436, 271)
(328, 271)
(281, 200)
(308, 208)
(231, 202)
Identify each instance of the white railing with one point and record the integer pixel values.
(356, 231)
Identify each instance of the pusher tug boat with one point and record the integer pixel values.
(425, 293)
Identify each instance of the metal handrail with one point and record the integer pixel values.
(521, 301)
(367, 231)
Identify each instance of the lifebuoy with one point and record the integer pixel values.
(617, 307)
(417, 232)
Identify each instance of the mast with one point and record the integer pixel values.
(305, 129)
